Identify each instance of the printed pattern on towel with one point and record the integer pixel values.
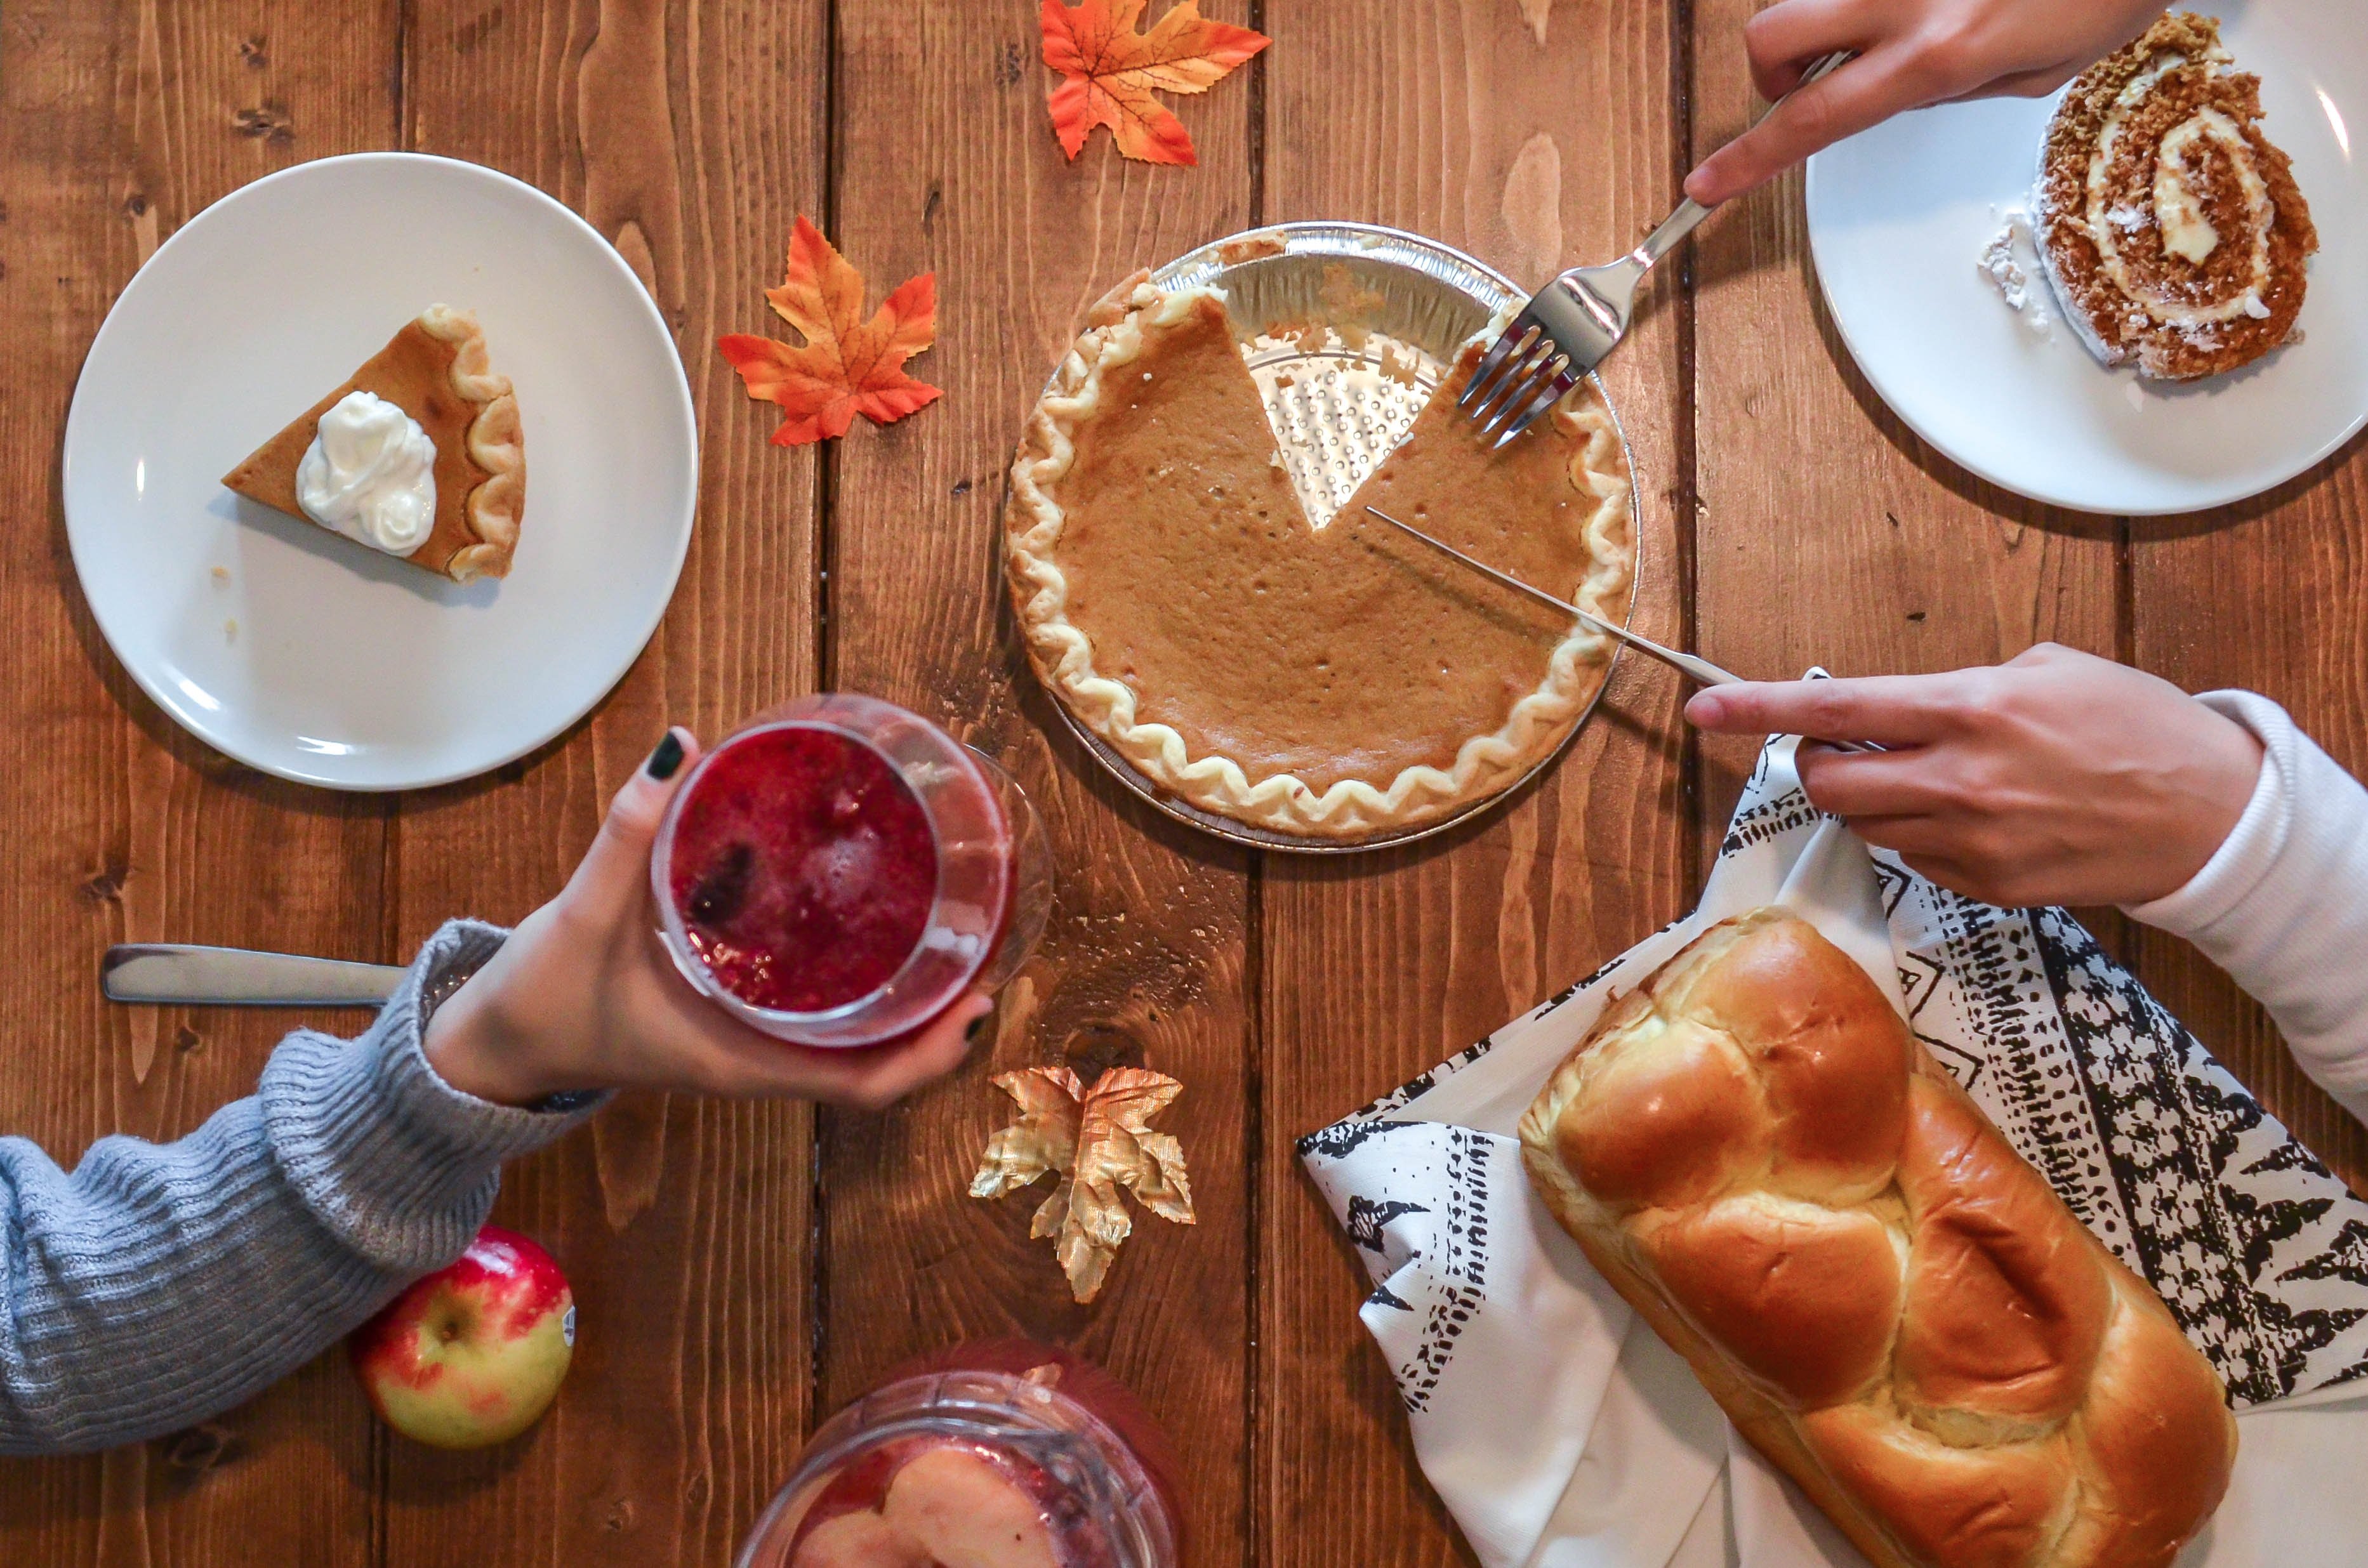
(2259, 1251)
(2254, 1245)
(1450, 1234)
(1981, 998)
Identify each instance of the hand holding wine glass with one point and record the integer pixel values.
(583, 996)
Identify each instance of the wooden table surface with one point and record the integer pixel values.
(744, 1269)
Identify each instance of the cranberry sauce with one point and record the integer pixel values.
(803, 869)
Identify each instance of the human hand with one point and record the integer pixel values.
(1910, 53)
(2057, 777)
(583, 996)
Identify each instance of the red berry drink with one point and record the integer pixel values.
(840, 873)
(803, 870)
(1003, 1455)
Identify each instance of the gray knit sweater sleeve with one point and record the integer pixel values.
(158, 1284)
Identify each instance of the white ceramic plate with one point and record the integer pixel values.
(346, 668)
(1898, 217)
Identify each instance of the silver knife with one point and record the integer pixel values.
(1699, 670)
(239, 977)
(1693, 666)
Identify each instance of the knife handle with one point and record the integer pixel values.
(179, 973)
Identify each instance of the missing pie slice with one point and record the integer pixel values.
(420, 455)
(1335, 683)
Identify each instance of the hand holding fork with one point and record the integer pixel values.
(1572, 323)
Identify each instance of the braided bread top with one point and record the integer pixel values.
(1886, 1300)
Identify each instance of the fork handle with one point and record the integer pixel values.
(1674, 227)
(1689, 212)
(1823, 65)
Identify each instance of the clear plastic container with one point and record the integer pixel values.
(1003, 1453)
(840, 841)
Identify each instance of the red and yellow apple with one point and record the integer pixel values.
(473, 1354)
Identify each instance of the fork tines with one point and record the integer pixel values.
(1521, 376)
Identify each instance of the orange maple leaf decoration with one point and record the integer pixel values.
(1108, 71)
(847, 366)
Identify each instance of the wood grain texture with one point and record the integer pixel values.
(687, 137)
(1534, 147)
(2271, 595)
(1787, 519)
(1827, 532)
(946, 161)
(116, 124)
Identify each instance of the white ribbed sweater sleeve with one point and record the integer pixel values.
(2283, 905)
(157, 1284)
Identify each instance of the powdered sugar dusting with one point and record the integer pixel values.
(1998, 260)
(2003, 262)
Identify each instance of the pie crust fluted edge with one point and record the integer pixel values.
(1352, 808)
(496, 444)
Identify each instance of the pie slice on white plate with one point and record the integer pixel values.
(418, 455)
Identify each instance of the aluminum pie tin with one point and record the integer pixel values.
(1338, 408)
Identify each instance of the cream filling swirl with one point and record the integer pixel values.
(2187, 230)
(2179, 214)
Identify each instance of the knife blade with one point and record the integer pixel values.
(1699, 670)
(1693, 666)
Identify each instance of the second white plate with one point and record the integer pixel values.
(301, 653)
(1897, 219)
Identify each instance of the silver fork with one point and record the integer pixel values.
(1571, 324)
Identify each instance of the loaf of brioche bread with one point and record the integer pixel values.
(1886, 1300)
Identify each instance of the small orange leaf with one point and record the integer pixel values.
(1108, 71)
(845, 365)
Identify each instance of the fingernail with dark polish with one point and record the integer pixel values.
(667, 757)
(977, 1028)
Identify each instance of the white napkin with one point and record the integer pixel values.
(1560, 1433)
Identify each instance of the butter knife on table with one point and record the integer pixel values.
(181, 974)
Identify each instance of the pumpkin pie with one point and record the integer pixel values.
(437, 372)
(1336, 682)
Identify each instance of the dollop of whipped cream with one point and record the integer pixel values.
(370, 474)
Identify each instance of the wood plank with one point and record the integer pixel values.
(1535, 137)
(2272, 596)
(1828, 533)
(946, 161)
(687, 138)
(117, 125)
